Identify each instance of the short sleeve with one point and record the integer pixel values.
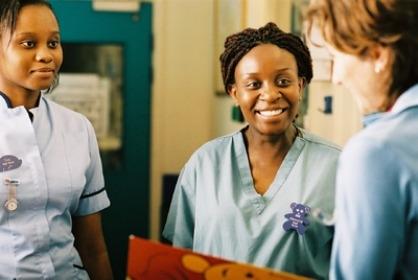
(94, 197)
(179, 226)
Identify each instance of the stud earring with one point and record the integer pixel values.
(236, 114)
(378, 67)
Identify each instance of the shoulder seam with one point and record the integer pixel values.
(315, 139)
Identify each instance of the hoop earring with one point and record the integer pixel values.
(236, 114)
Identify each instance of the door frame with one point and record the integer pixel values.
(127, 187)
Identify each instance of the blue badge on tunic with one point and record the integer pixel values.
(9, 162)
(297, 220)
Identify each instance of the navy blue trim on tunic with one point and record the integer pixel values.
(9, 104)
(93, 193)
(7, 99)
(79, 266)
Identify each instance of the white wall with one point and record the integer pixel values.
(259, 12)
(182, 92)
(344, 120)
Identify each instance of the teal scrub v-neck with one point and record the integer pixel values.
(216, 210)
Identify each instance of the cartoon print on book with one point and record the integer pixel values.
(230, 271)
(149, 260)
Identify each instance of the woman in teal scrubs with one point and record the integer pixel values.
(249, 196)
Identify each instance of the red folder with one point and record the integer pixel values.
(148, 260)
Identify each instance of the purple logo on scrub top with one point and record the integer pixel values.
(297, 220)
(9, 162)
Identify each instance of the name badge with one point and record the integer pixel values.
(297, 220)
(9, 162)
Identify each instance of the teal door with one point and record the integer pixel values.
(116, 47)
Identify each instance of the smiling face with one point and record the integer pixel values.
(31, 55)
(267, 89)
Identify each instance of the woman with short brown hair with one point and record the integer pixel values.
(374, 45)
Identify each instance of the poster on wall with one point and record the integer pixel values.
(87, 94)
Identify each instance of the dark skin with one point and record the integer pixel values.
(87, 231)
(266, 156)
(268, 90)
(31, 56)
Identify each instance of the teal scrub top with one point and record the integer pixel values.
(215, 209)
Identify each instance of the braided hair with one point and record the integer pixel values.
(239, 44)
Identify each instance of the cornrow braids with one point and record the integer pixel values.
(9, 10)
(239, 44)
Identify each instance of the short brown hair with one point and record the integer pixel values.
(353, 26)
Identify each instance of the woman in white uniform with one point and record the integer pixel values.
(51, 181)
(249, 196)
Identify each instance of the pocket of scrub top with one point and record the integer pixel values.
(78, 267)
(80, 272)
(319, 235)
